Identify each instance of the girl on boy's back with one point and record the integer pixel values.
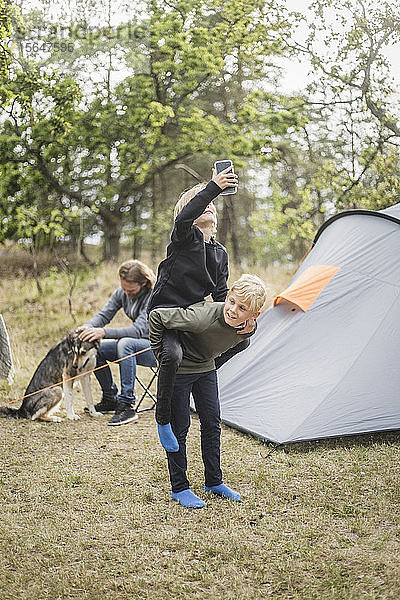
(195, 267)
(207, 329)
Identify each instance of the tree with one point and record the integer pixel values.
(354, 69)
(7, 12)
(346, 155)
(5, 31)
(354, 85)
(103, 148)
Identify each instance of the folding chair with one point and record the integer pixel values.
(147, 391)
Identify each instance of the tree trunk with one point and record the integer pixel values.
(227, 228)
(136, 242)
(84, 255)
(237, 258)
(156, 193)
(112, 228)
(223, 223)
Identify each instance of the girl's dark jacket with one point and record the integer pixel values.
(193, 268)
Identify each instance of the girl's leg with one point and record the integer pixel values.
(228, 354)
(169, 360)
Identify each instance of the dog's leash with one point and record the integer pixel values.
(76, 376)
(92, 370)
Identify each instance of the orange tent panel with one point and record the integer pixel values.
(306, 289)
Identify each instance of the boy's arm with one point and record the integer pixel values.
(195, 318)
(193, 209)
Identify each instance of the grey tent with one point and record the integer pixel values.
(325, 359)
(6, 361)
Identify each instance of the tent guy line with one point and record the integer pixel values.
(77, 376)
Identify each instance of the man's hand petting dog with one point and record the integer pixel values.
(91, 334)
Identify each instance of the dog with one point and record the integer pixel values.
(66, 359)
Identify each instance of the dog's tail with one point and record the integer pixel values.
(10, 412)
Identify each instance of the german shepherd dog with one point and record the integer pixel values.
(66, 359)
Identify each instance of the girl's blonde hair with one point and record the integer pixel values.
(252, 290)
(187, 196)
(135, 271)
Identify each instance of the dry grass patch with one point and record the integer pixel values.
(86, 510)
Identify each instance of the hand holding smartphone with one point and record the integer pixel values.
(227, 165)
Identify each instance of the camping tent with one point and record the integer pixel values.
(6, 361)
(325, 359)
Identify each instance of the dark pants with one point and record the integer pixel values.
(169, 360)
(204, 387)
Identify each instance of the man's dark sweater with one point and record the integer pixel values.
(193, 269)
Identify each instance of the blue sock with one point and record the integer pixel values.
(223, 490)
(188, 499)
(167, 438)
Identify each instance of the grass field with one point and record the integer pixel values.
(86, 511)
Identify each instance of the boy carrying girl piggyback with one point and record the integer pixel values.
(207, 329)
(196, 266)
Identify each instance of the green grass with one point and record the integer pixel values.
(86, 510)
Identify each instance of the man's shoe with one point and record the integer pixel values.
(106, 406)
(123, 415)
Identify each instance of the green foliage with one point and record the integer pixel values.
(7, 13)
(100, 145)
(343, 153)
(283, 232)
(87, 128)
(41, 229)
(5, 31)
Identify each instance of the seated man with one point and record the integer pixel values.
(207, 329)
(136, 283)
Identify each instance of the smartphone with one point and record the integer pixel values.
(219, 166)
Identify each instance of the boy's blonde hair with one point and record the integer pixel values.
(135, 271)
(187, 196)
(251, 289)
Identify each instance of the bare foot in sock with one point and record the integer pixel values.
(224, 491)
(188, 499)
(167, 438)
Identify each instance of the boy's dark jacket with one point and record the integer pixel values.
(192, 269)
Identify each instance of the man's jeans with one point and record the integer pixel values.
(204, 387)
(114, 349)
